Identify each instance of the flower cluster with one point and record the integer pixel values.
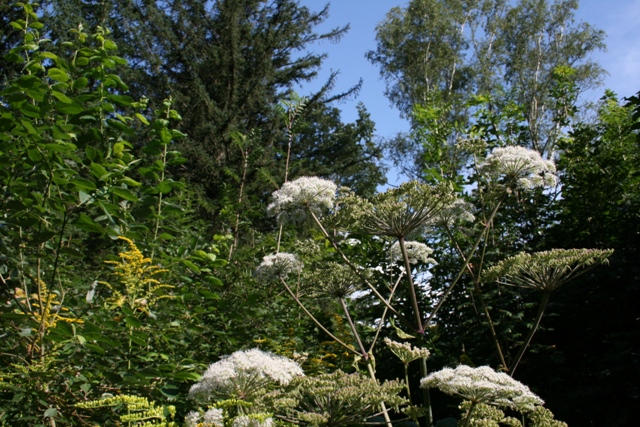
(416, 251)
(546, 270)
(243, 373)
(253, 421)
(212, 418)
(336, 280)
(139, 289)
(483, 385)
(458, 211)
(340, 399)
(296, 198)
(278, 265)
(401, 211)
(405, 351)
(518, 164)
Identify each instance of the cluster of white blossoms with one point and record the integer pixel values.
(483, 385)
(458, 211)
(526, 167)
(295, 198)
(405, 351)
(278, 265)
(241, 373)
(416, 251)
(249, 421)
(211, 418)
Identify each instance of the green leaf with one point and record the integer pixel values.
(71, 108)
(81, 61)
(164, 187)
(132, 321)
(99, 171)
(142, 118)
(86, 223)
(61, 97)
(190, 265)
(83, 184)
(96, 348)
(80, 83)
(50, 413)
(121, 100)
(124, 194)
(58, 75)
(129, 182)
(187, 376)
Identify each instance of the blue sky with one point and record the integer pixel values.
(618, 18)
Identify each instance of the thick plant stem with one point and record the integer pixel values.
(532, 331)
(412, 290)
(426, 396)
(467, 417)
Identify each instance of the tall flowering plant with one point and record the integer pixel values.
(401, 217)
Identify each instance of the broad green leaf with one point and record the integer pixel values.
(129, 182)
(142, 118)
(84, 222)
(61, 97)
(99, 171)
(124, 194)
(70, 108)
(121, 100)
(58, 75)
(190, 265)
(80, 83)
(164, 187)
(83, 184)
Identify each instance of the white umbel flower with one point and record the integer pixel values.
(248, 421)
(295, 198)
(417, 252)
(523, 166)
(278, 265)
(458, 211)
(212, 418)
(243, 372)
(483, 385)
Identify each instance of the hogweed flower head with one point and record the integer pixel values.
(293, 201)
(242, 374)
(546, 270)
(336, 280)
(278, 265)
(340, 399)
(405, 351)
(525, 167)
(458, 211)
(211, 418)
(253, 420)
(483, 385)
(401, 211)
(417, 252)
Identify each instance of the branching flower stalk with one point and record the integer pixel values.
(293, 110)
(544, 271)
(476, 287)
(312, 317)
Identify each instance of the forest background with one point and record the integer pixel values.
(173, 130)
